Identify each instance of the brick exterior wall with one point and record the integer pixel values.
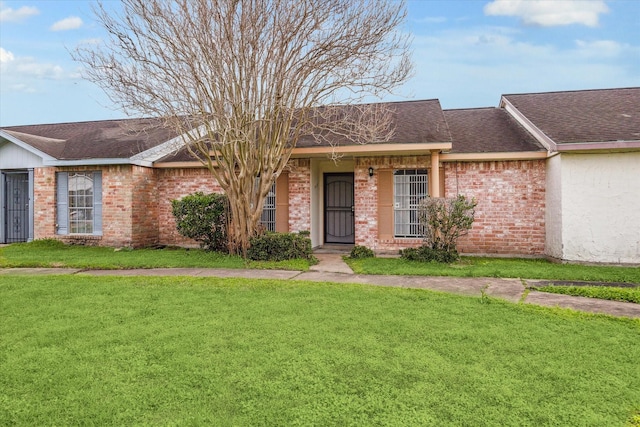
(144, 207)
(137, 203)
(129, 209)
(299, 195)
(509, 216)
(366, 195)
(44, 203)
(174, 184)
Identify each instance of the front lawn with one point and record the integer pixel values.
(52, 253)
(497, 267)
(601, 292)
(208, 351)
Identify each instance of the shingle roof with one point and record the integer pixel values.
(413, 122)
(488, 130)
(603, 115)
(99, 139)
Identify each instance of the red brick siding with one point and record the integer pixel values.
(144, 208)
(175, 184)
(44, 203)
(366, 195)
(509, 217)
(299, 195)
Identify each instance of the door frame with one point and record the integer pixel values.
(324, 207)
(4, 207)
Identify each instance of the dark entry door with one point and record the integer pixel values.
(16, 193)
(339, 224)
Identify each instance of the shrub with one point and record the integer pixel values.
(280, 247)
(203, 217)
(443, 221)
(359, 252)
(428, 254)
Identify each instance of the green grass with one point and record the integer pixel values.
(207, 351)
(497, 267)
(52, 253)
(600, 292)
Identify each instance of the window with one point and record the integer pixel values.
(409, 188)
(79, 204)
(268, 218)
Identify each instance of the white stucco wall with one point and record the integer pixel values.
(553, 207)
(600, 205)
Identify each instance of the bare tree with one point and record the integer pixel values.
(241, 79)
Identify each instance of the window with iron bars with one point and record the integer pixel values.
(410, 186)
(268, 217)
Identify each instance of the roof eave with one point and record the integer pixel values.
(537, 133)
(371, 149)
(496, 156)
(44, 156)
(98, 162)
(601, 146)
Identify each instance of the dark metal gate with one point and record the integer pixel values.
(16, 218)
(339, 223)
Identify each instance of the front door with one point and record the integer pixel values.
(16, 202)
(339, 225)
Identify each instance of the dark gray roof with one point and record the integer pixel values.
(413, 122)
(604, 115)
(94, 140)
(488, 130)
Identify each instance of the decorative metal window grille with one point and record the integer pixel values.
(81, 203)
(410, 187)
(268, 218)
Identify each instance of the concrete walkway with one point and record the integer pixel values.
(332, 268)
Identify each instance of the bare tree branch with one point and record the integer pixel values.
(242, 80)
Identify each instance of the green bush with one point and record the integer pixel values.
(428, 254)
(280, 247)
(442, 222)
(203, 217)
(359, 252)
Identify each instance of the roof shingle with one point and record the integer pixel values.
(488, 130)
(99, 139)
(603, 115)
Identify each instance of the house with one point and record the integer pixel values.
(592, 170)
(111, 182)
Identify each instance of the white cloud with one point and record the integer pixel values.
(8, 14)
(550, 13)
(21, 87)
(5, 56)
(19, 68)
(70, 23)
(601, 48)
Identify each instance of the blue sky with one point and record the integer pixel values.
(467, 53)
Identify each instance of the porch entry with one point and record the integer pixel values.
(16, 207)
(339, 223)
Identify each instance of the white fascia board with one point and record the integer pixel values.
(600, 146)
(159, 151)
(538, 134)
(97, 162)
(45, 157)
